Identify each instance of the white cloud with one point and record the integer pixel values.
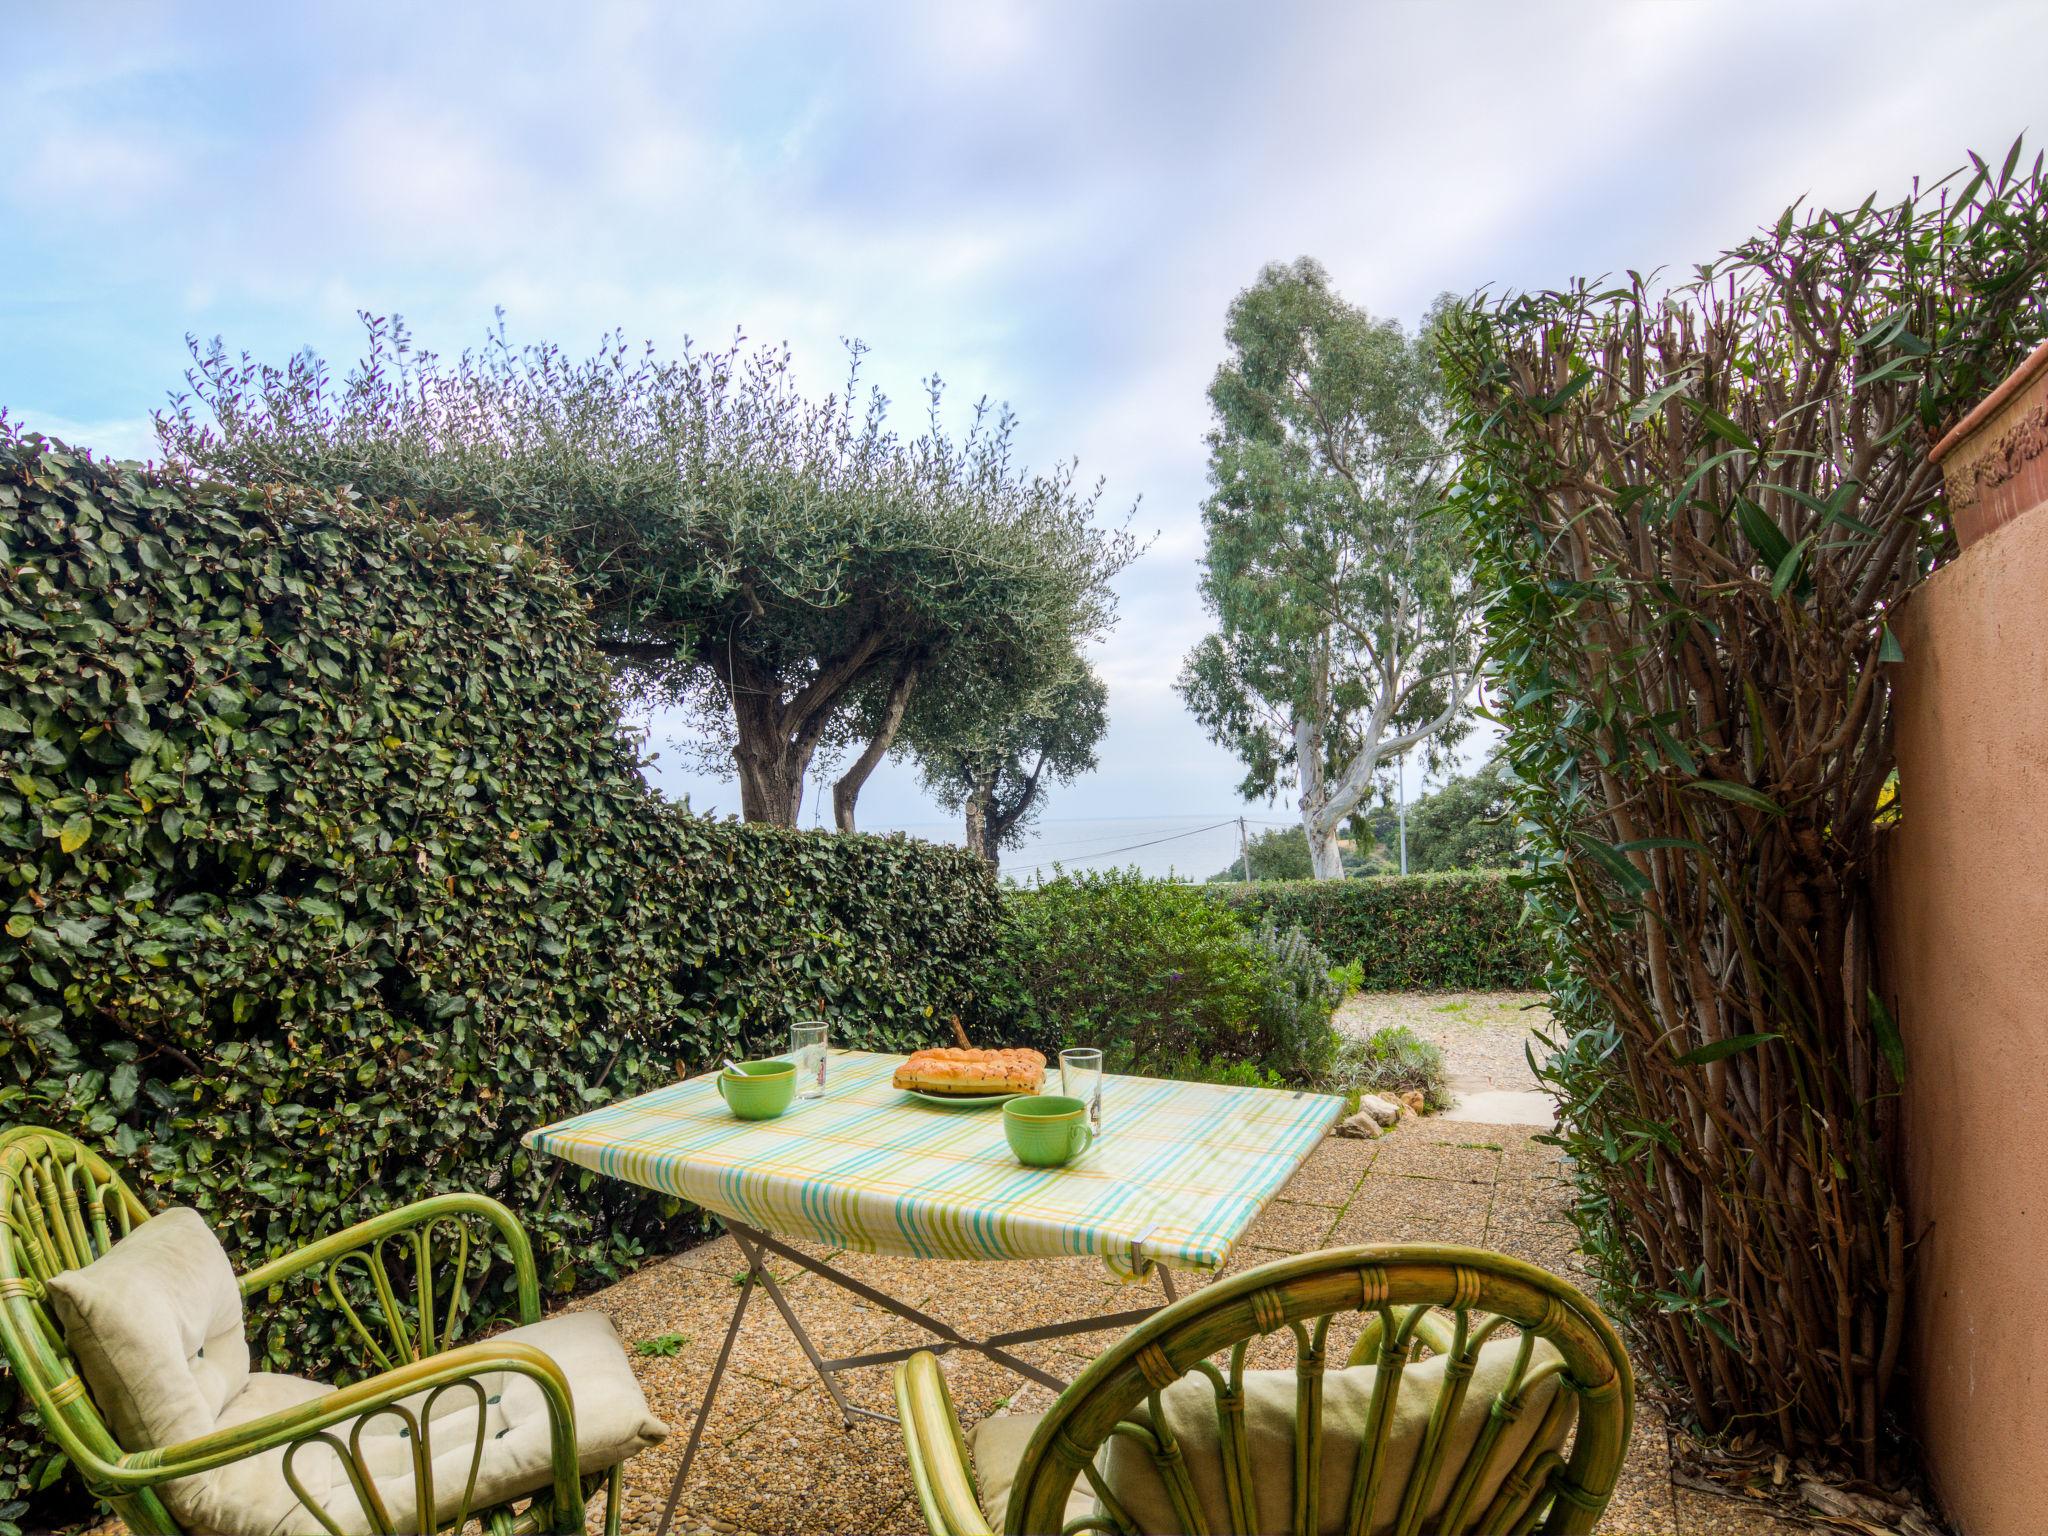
(1047, 203)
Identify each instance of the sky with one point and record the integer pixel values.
(1046, 204)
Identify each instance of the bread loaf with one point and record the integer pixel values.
(951, 1070)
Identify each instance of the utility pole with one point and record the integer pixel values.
(1244, 851)
(1401, 805)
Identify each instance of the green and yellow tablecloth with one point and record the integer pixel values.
(1176, 1176)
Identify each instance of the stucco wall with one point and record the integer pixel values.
(1965, 958)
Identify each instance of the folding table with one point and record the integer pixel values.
(1175, 1177)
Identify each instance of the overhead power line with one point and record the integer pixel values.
(1152, 843)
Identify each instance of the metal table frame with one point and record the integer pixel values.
(754, 1245)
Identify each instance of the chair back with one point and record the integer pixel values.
(61, 1207)
(1400, 1288)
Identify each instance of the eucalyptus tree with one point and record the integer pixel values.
(1345, 615)
(991, 753)
(781, 555)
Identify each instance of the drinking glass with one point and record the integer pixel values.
(807, 1045)
(1081, 1078)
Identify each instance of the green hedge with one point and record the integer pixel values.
(1442, 933)
(329, 872)
(1155, 973)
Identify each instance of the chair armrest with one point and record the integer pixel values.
(143, 1469)
(419, 1213)
(937, 1453)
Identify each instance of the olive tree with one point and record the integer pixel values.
(991, 752)
(781, 555)
(1345, 628)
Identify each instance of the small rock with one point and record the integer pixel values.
(1383, 1111)
(1360, 1127)
(1413, 1101)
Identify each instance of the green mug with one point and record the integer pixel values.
(758, 1090)
(1046, 1130)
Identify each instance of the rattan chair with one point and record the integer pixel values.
(62, 1206)
(1208, 1334)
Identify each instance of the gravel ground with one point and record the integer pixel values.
(776, 1461)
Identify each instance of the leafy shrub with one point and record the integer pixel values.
(1278, 853)
(1347, 978)
(1446, 933)
(328, 872)
(1294, 1015)
(1159, 975)
(1694, 509)
(1391, 1061)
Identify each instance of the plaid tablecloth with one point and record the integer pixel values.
(1176, 1176)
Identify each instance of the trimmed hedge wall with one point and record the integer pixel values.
(329, 872)
(1437, 933)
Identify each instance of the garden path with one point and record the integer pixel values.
(1482, 1036)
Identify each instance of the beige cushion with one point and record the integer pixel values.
(251, 1498)
(127, 1318)
(997, 1447)
(155, 1324)
(1190, 1411)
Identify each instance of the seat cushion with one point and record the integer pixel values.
(252, 1497)
(997, 1447)
(155, 1324)
(1189, 1407)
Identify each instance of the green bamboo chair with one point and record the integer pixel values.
(1401, 1287)
(62, 1206)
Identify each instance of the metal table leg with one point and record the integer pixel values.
(675, 1490)
(754, 1243)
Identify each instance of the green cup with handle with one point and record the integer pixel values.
(758, 1090)
(1047, 1130)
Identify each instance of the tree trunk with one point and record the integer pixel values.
(1326, 858)
(769, 790)
(982, 835)
(777, 737)
(847, 790)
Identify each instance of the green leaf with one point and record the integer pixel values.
(1675, 749)
(1654, 402)
(1788, 568)
(12, 719)
(1888, 647)
(1764, 535)
(1889, 1040)
(1721, 426)
(1741, 794)
(76, 833)
(1614, 862)
(1550, 405)
(1693, 480)
(1716, 1050)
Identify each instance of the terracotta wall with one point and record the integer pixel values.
(1966, 965)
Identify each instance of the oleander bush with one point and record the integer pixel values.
(1162, 977)
(1442, 933)
(1694, 509)
(329, 871)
